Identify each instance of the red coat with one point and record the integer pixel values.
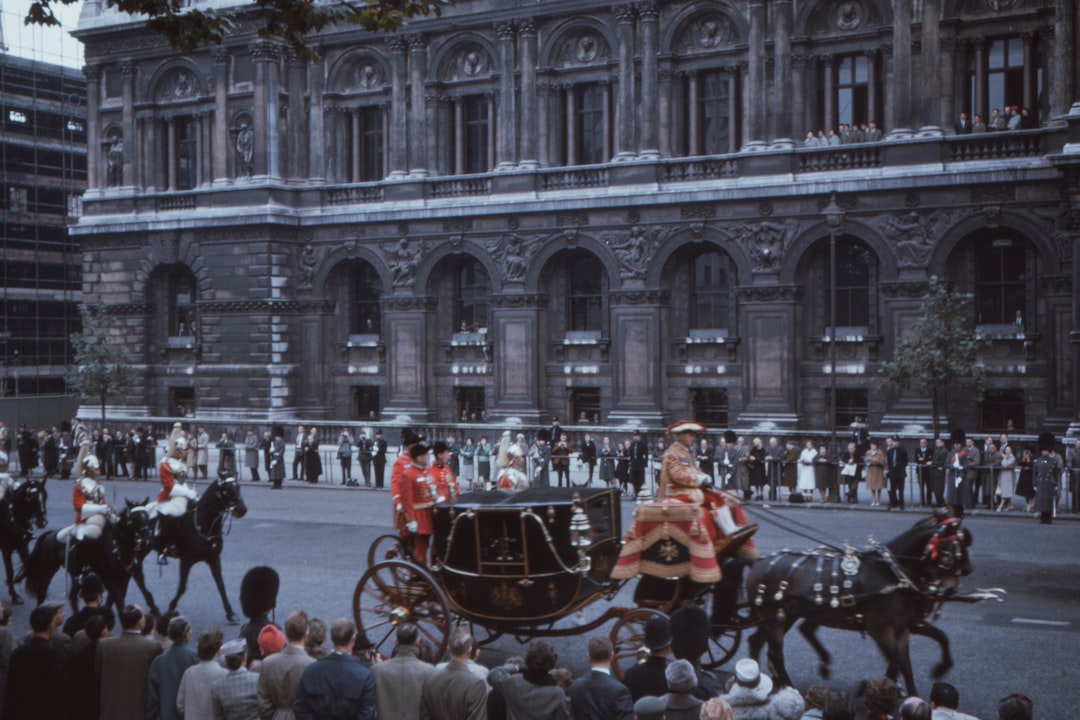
(445, 481)
(168, 479)
(396, 473)
(78, 499)
(418, 489)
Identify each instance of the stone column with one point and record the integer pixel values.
(317, 124)
(530, 116)
(571, 125)
(405, 329)
(624, 114)
(982, 89)
(418, 149)
(663, 105)
(491, 133)
(949, 46)
(693, 109)
(148, 136)
(297, 120)
(733, 107)
(830, 93)
(783, 19)
(650, 106)
(1029, 100)
(260, 55)
(605, 87)
(543, 133)
(930, 91)
(506, 131)
(354, 126)
(799, 63)
(515, 321)
(637, 386)
(432, 103)
(273, 112)
(744, 89)
(1062, 88)
(94, 141)
(873, 88)
(127, 120)
(756, 90)
(768, 322)
(900, 119)
(220, 143)
(886, 74)
(459, 137)
(397, 130)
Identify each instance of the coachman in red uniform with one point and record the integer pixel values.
(419, 493)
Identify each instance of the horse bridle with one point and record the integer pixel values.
(31, 488)
(219, 519)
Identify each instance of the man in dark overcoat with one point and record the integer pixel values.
(1046, 474)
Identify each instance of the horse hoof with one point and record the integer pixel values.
(940, 670)
(16, 600)
(825, 671)
(231, 618)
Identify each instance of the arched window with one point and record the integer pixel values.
(365, 290)
(182, 320)
(856, 271)
(1000, 282)
(585, 294)
(472, 291)
(709, 302)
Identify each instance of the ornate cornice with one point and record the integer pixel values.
(771, 293)
(639, 297)
(129, 309)
(276, 307)
(520, 301)
(414, 302)
(915, 289)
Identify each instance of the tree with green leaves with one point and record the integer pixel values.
(99, 369)
(939, 351)
(188, 28)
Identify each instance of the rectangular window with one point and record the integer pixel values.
(850, 404)
(711, 406)
(714, 113)
(590, 124)
(186, 165)
(852, 89)
(475, 111)
(709, 308)
(1005, 73)
(585, 405)
(1001, 411)
(181, 401)
(470, 404)
(999, 282)
(17, 199)
(365, 402)
(371, 144)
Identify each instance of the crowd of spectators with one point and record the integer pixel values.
(1013, 117)
(845, 135)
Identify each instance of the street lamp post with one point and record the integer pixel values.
(834, 222)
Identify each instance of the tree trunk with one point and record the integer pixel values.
(936, 421)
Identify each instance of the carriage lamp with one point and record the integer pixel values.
(399, 615)
(642, 654)
(579, 535)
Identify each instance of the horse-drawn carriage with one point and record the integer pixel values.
(524, 564)
(527, 564)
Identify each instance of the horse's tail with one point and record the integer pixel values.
(45, 559)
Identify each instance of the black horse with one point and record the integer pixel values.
(114, 557)
(887, 592)
(200, 536)
(21, 512)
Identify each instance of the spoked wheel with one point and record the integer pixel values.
(395, 592)
(723, 644)
(387, 547)
(628, 639)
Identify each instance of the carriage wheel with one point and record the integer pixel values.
(393, 592)
(387, 547)
(723, 644)
(628, 638)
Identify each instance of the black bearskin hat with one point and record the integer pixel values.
(90, 586)
(1047, 442)
(958, 437)
(411, 437)
(730, 437)
(278, 431)
(258, 591)
(543, 435)
(689, 632)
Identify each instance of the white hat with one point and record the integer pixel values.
(749, 682)
(91, 462)
(181, 443)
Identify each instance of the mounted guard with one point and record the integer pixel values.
(7, 483)
(88, 500)
(175, 495)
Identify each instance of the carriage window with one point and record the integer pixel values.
(471, 295)
(365, 290)
(586, 293)
(999, 282)
(709, 309)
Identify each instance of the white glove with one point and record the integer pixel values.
(703, 477)
(411, 526)
(89, 509)
(398, 508)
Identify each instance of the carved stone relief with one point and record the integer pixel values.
(765, 242)
(708, 33)
(635, 249)
(403, 260)
(915, 234)
(583, 47)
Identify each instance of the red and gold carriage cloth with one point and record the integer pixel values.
(667, 540)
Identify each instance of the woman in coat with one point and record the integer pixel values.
(756, 463)
(483, 462)
(344, 453)
(622, 467)
(1025, 486)
(704, 459)
(807, 475)
(1006, 479)
(849, 471)
(824, 473)
(606, 453)
(251, 453)
(875, 472)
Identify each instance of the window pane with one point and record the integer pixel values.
(1016, 53)
(365, 289)
(590, 124)
(862, 69)
(709, 292)
(996, 57)
(473, 291)
(1000, 284)
(585, 294)
(371, 144)
(476, 134)
(714, 113)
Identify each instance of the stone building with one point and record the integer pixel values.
(601, 211)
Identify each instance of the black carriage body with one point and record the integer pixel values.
(507, 561)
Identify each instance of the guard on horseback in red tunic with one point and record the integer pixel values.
(172, 501)
(88, 501)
